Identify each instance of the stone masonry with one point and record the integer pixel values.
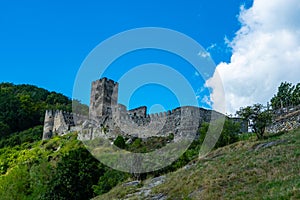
(285, 119)
(108, 119)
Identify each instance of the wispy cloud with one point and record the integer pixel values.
(204, 54)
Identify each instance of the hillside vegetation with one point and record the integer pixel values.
(23, 106)
(62, 168)
(250, 169)
(241, 166)
(59, 168)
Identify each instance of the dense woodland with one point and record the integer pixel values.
(23, 106)
(61, 168)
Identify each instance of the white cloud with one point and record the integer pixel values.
(212, 46)
(206, 100)
(204, 54)
(266, 51)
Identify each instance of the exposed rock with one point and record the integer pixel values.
(285, 119)
(267, 144)
(156, 181)
(159, 196)
(132, 183)
(145, 191)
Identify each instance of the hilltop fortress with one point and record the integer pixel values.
(108, 119)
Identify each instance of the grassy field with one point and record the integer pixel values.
(249, 169)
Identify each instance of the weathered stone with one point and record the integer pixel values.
(108, 119)
(285, 119)
(268, 144)
(132, 183)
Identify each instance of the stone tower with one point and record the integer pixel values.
(104, 97)
(48, 124)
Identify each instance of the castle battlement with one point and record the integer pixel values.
(107, 118)
(59, 122)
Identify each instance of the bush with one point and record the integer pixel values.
(74, 177)
(109, 180)
(120, 142)
(229, 134)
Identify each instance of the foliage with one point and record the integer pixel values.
(237, 171)
(120, 142)
(16, 185)
(78, 107)
(110, 179)
(29, 135)
(35, 171)
(259, 118)
(229, 134)
(287, 95)
(74, 176)
(23, 106)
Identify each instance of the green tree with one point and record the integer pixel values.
(15, 184)
(283, 98)
(41, 174)
(78, 107)
(296, 95)
(258, 117)
(75, 175)
(228, 135)
(23, 106)
(109, 180)
(120, 142)
(4, 129)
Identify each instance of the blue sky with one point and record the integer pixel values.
(44, 42)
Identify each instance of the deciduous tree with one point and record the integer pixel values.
(258, 117)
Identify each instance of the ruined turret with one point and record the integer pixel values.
(48, 124)
(104, 97)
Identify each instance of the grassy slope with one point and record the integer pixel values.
(237, 171)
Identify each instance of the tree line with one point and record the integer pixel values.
(286, 96)
(23, 106)
(260, 116)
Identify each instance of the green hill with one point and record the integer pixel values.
(240, 166)
(59, 168)
(250, 169)
(23, 106)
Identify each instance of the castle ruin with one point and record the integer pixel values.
(109, 119)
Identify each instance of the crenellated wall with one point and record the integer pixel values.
(182, 122)
(109, 119)
(59, 122)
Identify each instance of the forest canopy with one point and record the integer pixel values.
(23, 106)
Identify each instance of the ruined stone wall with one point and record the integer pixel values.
(285, 119)
(48, 124)
(182, 122)
(60, 122)
(109, 119)
(138, 112)
(104, 97)
(60, 125)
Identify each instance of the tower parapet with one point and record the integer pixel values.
(104, 97)
(48, 124)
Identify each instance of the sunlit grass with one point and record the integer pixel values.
(237, 171)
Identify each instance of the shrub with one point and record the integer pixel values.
(120, 142)
(228, 135)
